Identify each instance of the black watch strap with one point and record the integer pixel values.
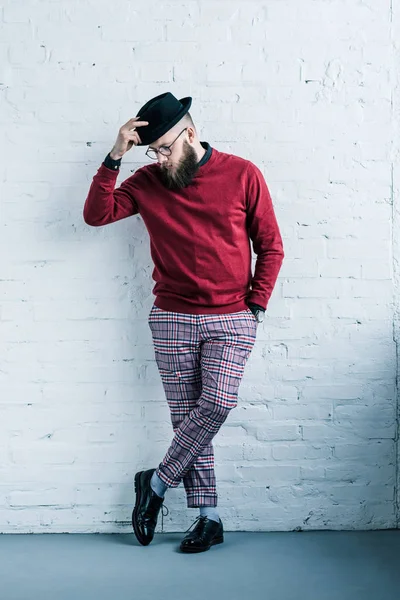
(256, 306)
(110, 163)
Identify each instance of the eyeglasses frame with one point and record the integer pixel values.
(158, 151)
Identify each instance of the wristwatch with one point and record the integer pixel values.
(259, 315)
(257, 311)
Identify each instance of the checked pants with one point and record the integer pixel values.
(201, 360)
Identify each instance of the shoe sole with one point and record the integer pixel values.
(135, 525)
(218, 540)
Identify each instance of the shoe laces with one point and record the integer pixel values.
(162, 516)
(194, 522)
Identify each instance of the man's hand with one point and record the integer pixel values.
(127, 137)
(254, 307)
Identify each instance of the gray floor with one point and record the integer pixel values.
(318, 565)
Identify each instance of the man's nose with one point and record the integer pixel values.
(161, 158)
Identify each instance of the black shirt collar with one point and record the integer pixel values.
(207, 155)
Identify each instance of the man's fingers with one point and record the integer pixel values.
(139, 124)
(137, 121)
(133, 123)
(135, 138)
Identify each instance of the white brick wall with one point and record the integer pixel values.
(303, 89)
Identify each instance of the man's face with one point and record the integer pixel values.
(177, 170)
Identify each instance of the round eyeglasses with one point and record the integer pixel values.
(164, 150)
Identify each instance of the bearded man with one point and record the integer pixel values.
(201, 208)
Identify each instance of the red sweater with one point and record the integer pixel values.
(199, 235)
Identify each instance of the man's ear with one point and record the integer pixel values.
(191, 134)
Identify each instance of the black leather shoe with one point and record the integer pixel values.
(147, 507)
(207, 533)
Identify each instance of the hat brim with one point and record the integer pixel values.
(157, 133)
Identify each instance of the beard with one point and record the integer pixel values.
(185, 171)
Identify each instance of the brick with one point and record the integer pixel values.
(298, 451)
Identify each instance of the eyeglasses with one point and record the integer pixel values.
(165, 150)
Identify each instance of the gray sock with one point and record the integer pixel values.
(210, 512)
(157, 485)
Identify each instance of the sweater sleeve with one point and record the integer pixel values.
(265, 235)
(104, 204)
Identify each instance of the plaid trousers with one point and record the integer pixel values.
(201, 360)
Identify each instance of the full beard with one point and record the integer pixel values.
(184, 173)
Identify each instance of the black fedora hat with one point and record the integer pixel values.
(162, 113)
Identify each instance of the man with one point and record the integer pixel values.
(201, 207)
